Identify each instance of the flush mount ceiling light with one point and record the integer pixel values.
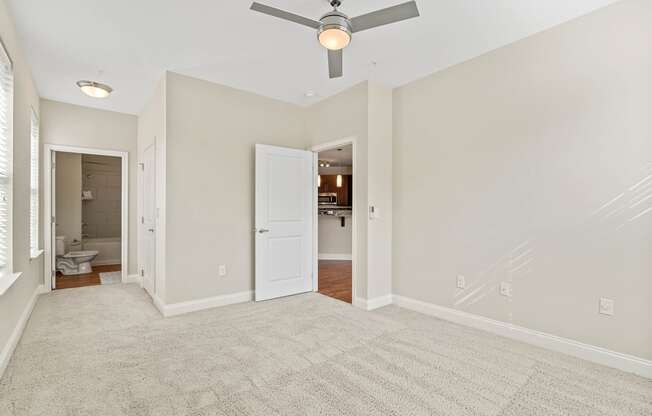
(94, 89)
(335, 29)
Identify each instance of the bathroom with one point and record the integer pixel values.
(88, 206)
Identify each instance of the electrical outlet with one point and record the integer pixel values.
(606, 306)
(506, 289)
(461, 282)
(222, 270)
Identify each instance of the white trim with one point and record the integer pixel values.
(160, 170)
(158, 302)
(8, 270)
(12, 342)
(132, 278)
(47, 204)
(110, 262)
(371, 304)
(352, 141)
(36, 255)
(315, 222)
(333, 256)
(599, 355)
(181, 308)
(158, 226)
(34, 246)
(84, 150)
(7, 281)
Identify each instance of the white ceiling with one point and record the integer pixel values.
(134, 41)
(342, 156)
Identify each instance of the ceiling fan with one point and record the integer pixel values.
(334, 29)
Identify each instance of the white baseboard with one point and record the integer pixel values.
(106, 262)
(334, 256)
(371, 304)
(599, 355)
(175, 309)
(132, 278)
(160, 305)
(12, 342)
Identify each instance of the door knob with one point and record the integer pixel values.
(151, 230)
(263, 230)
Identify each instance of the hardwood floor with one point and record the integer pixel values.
(81, 280)
(335, 279)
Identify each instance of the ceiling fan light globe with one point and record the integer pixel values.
(334, 38)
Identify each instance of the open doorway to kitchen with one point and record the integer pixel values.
(335, 222)
(85, 201)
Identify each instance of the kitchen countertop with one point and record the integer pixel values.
(335, 211)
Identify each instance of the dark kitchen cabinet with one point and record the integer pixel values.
(344, 194)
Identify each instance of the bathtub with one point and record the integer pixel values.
(110, 250)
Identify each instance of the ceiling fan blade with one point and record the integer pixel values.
(385, 16)
(281, 14)
(335, 63)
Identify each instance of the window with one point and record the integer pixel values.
(33, 195)
(6, 144)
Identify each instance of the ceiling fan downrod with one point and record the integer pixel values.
(336, 3)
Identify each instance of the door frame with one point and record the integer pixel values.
(354, 220)
(140, 210)
(48, 198)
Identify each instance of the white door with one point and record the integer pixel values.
(148, 220)
(284, 192)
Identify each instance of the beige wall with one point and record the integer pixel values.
(365, 113)
(379, 194)
(102, 215)
(210, 136)
(339, 117)
(72, 125)
(68, 202)
(333, 238)
(15, 300)
(532, 165)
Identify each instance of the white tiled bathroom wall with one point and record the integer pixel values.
(101, 216)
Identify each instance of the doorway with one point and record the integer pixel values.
(286, 221)
(335, 220)
(86, 209)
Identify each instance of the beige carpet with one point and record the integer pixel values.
(104, 350)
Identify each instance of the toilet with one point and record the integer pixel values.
(73, 262)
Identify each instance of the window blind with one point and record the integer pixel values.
(6, 144)
(34, 186)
